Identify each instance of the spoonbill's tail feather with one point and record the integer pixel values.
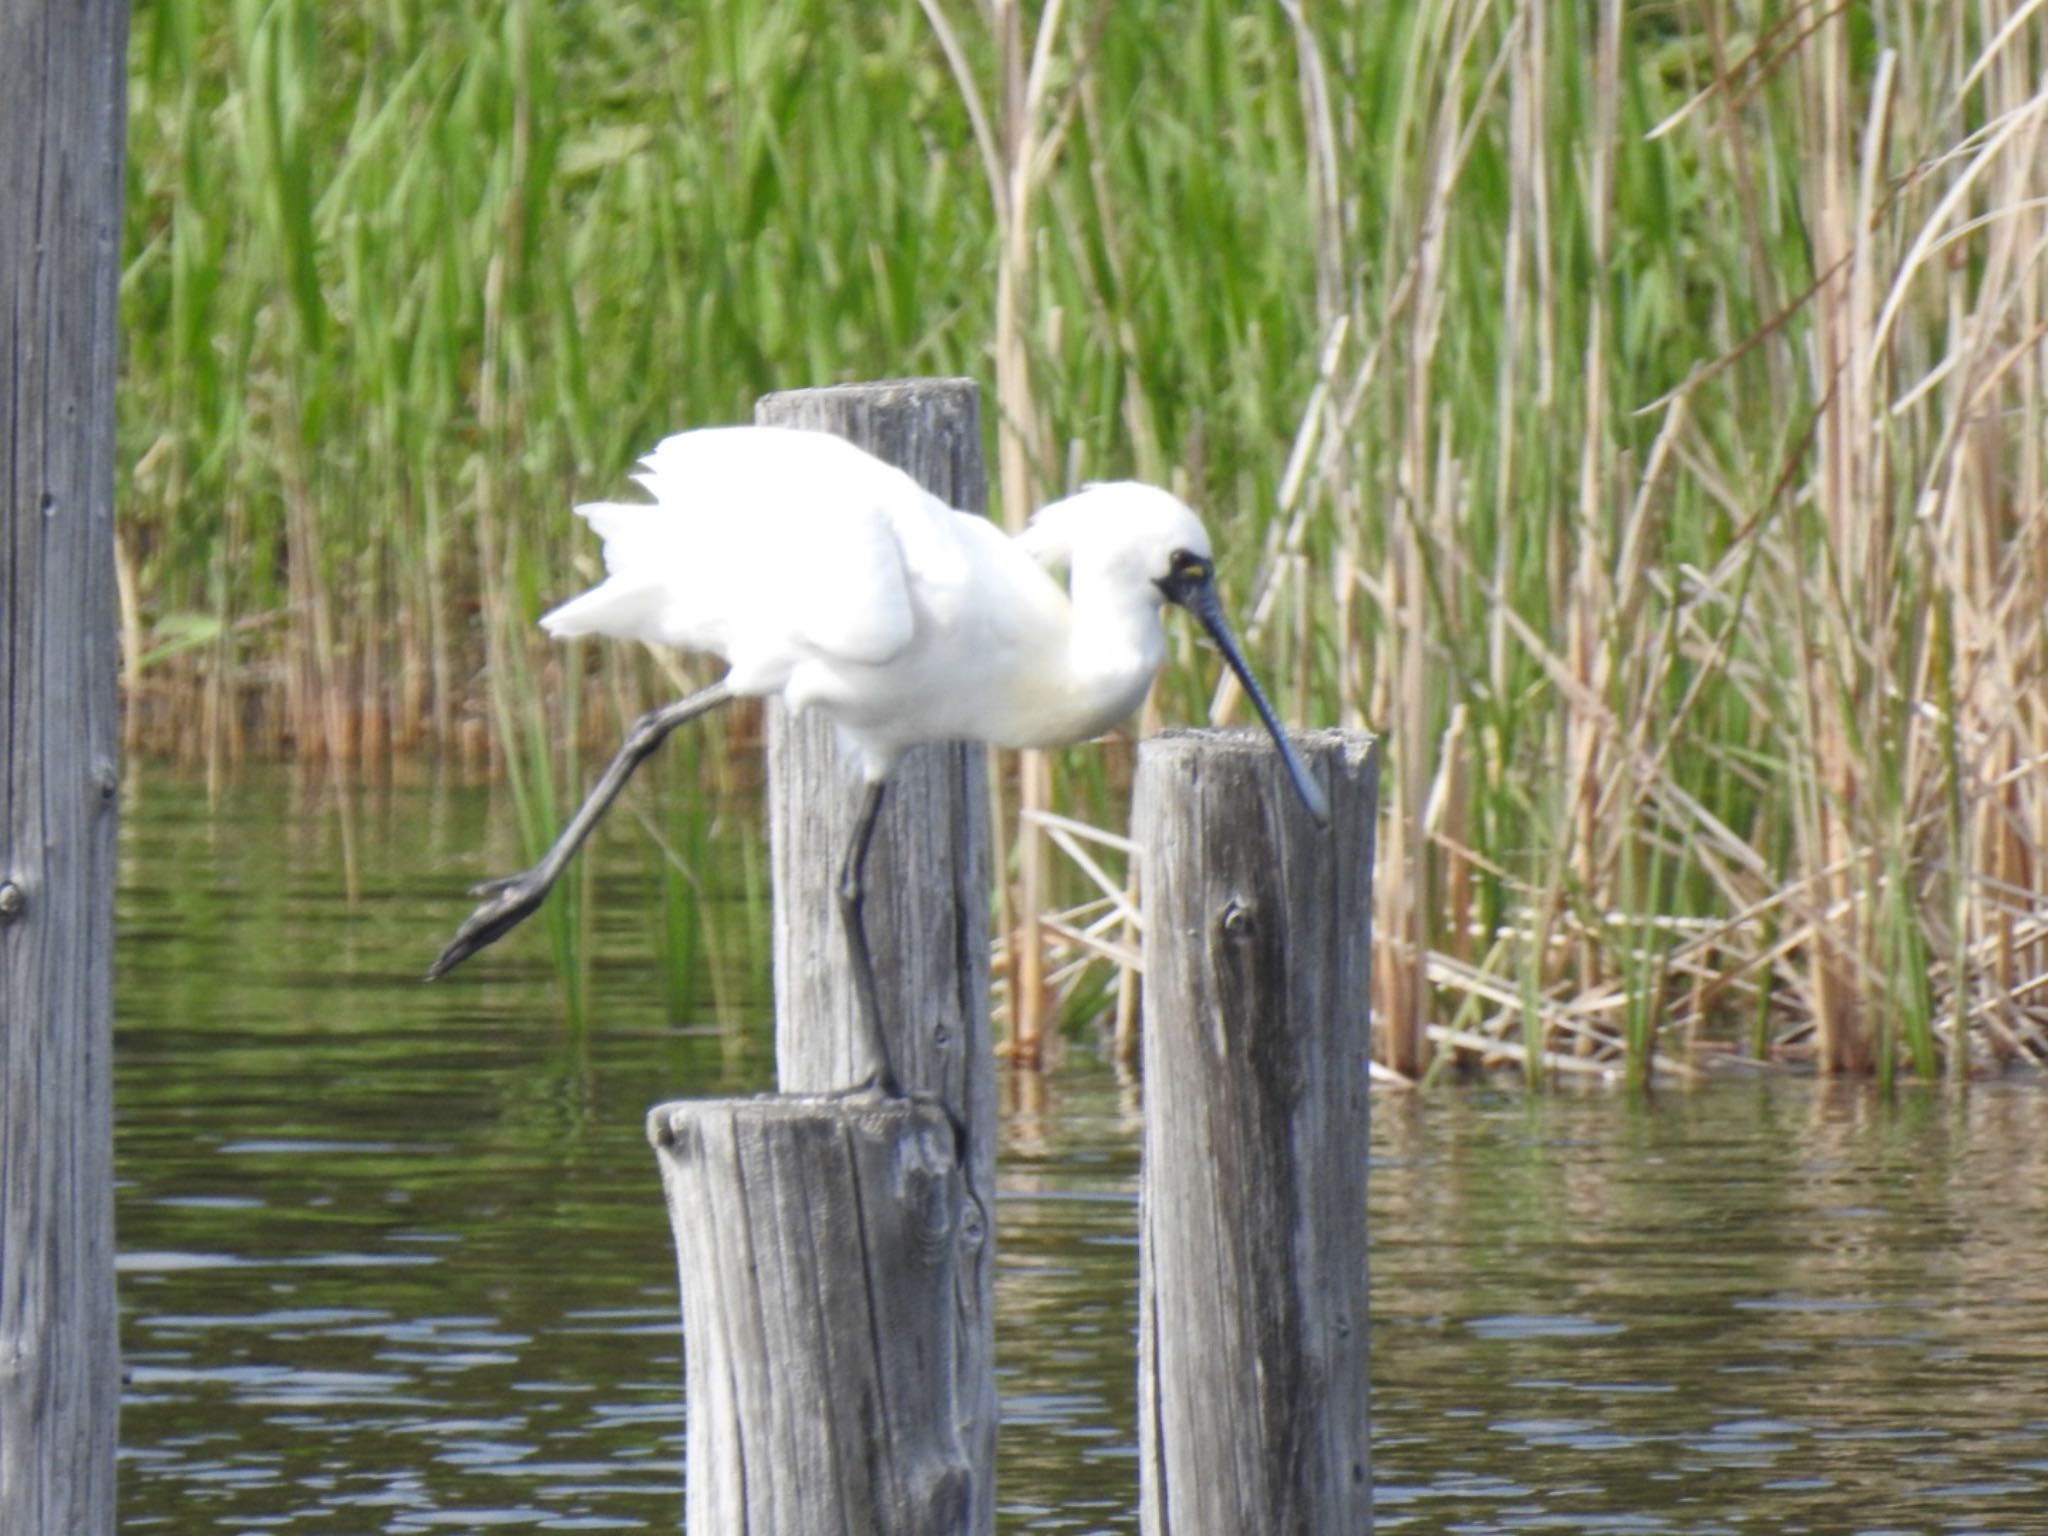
(633, 600)
(638, 536)
(623, 609)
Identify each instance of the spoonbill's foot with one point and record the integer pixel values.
(509, 901)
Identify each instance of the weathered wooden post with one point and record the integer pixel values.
(1253, 1410)
(818, 1240)
(928, 867)
(836, 1250)
(63, 84)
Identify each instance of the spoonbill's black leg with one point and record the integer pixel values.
(850, 897)
(514, 898)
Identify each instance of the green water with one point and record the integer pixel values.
(394, 1257)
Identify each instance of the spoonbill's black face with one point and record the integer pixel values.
(1190, 583)
(1185, 572)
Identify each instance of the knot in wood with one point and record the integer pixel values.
(973, 1228)
(946, 1500)
(1234, 919)
(13, 901)
(681, 1140)
(927, 1182)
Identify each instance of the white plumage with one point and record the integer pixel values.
(824, 575)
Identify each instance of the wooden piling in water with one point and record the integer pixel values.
(819, 1238)
(1253, 1407)
(927, 902)
(62, 115)
(868, 1401)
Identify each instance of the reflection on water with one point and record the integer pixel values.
(394, 1258)
(1766, 1307)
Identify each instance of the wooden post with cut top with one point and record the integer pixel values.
(63, 111)
(836, 1249)
(818, 1242)
(1253, 1410)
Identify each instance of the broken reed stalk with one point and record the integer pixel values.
(1019, 143)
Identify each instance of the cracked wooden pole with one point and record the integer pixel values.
(870, 1398)
(819, 1243)
(1253, 1409)
(63, 101)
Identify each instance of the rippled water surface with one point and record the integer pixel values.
(394, 1258)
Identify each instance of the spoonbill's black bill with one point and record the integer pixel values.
(826, 576)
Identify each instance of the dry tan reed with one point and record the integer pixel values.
(1636, 411)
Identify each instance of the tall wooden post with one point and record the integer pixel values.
(1253, 1410)
(847, 1421)
(928, 867)
(62, 122)
(927, 880)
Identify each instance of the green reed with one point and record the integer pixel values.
(1650, 373)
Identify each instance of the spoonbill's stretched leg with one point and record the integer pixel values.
(850, 898)
(512, 899)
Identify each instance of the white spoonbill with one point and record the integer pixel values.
(826, 576)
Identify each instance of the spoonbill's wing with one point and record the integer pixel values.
(766, 545)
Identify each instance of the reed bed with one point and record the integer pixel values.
(1634, 410)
